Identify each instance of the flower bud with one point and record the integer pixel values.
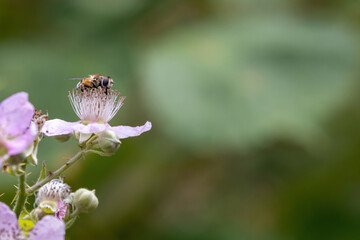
(84, 200)
(108, 141)
(62, 138)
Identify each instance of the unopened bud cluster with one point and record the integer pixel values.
(55, 198)
(84, 200)
(108, 141)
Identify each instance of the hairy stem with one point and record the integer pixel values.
(20, 201)
(55, 174)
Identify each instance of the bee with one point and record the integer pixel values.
(95, 81)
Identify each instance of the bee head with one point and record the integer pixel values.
(107, 82)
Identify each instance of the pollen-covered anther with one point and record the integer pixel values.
(39, 119)
(95, 105)
(53, 191)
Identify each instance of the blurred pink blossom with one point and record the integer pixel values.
(48, 228)
(17, 132)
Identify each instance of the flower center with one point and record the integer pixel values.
(95, 104)
(53, 191)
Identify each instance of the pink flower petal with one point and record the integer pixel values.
(9, 228)
(19, 144)
(61, 211)
(126, 131)
(16, 113)
(92, 127)
(57, 127)
(48, 228)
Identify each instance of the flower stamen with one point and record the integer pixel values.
(95, 104)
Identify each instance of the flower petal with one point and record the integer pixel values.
(16, 113)
(127, 131)
(92, 127)
(61, 209)
(57, 127)
(48, 228)
(19, 144)
(9, 228)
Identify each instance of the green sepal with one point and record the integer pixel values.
(33, 154)
(43, 172)
(70, 222)
(100, 153)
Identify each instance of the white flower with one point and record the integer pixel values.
(95, 108)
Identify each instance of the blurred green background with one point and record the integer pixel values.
(255, 108)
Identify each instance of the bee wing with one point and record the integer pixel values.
(77, 79)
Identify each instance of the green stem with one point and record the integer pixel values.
(55, 174)
(20, 202)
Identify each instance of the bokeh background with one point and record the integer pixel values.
(255, 108)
